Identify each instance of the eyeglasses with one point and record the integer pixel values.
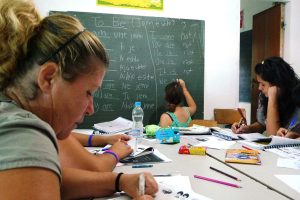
(60, 48)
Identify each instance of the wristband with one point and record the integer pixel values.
(112, 153)
(117, 183)
(90, 140)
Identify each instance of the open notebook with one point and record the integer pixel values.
(271, 142)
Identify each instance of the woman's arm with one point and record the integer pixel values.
(29, 183)
(100, 140)
(72, 154)
(272, 120)
(188, 97)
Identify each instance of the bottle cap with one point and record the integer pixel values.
(137, 104)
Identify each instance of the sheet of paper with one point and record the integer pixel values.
(214, 142)
(252, 136)
(170, 188)
(288, 163)
(291, 180)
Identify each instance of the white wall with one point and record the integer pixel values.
(222, 36)
(251, 8)
(291, 47)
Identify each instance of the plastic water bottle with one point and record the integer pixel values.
(137, 126)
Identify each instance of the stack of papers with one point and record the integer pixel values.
(117, 125)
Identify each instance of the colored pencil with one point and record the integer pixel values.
(246, 148)
(230, 176)
(217, 181)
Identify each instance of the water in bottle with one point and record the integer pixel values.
(137, 126)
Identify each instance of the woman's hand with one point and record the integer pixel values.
(129, 183)
(239, 129)
(122, 149)
(182, 83)
(281, 132)
(117, 137)
(273, 92)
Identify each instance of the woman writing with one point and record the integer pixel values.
(276, 108)
(49, 70)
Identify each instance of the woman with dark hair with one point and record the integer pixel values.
(276, 108)
(177, 115)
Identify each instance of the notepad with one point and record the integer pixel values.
(117, 125)
(272, 142)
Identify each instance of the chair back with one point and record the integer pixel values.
(228, 116)
(203, 122)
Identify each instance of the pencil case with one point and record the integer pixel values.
(192, 150)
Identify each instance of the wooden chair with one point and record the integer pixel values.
(228, 116)
(203, 122)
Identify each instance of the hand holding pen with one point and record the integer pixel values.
(283, 132)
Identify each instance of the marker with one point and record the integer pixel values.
(161, 175)
(142, 166)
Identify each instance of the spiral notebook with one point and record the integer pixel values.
(273, 142)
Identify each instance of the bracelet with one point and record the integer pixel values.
(117, 183)
(112, 153)
(90, 140)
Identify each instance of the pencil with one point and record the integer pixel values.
(217, 181)
(246, 148)
(230, 176)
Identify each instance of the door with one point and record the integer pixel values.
(267, 41)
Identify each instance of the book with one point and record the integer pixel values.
(243, 156)
(271, 142)
(117, 125)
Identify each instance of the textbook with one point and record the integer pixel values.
(243, 156)
(117, 125)
(271, 142)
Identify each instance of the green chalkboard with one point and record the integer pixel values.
(146, 53)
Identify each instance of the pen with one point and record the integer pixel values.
(142, 166)
(141, 184)
(243, 120)
(217, 181)
(161, 175)
(235, 178)
(292, 124)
